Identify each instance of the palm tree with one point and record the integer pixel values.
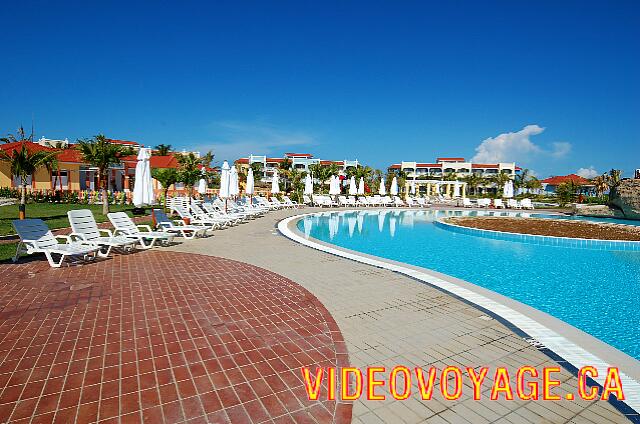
(322, 173)
(533, 184)
(19, 136)
(23, 164)
(613, 179)
(162, 149)
(473, 180)
(601, 184)
(521, 179)
(166, 177)
(499, 180)
(258, 172)
(191, 168)
(102, 154)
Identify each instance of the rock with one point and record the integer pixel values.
(626, 198)
(603, 211)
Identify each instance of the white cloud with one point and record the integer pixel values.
(589, 172)
(239, 139)
(517, 147)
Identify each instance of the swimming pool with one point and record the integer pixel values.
(596, 291)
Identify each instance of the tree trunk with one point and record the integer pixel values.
(22, 209)
(166, 193)
(105, 199)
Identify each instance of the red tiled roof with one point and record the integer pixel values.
(277, 160)
(577, 179)
(168, 161)
(395, 166)
(242, 160)
(329, 162)
(428, 165)
(450, 159)
(31, 147)
(484, 165)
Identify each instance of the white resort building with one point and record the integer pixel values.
(438, 177)
(299, 161)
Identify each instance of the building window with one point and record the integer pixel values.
(17, 181)
(60, 179)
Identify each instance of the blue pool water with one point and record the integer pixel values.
(596, 291)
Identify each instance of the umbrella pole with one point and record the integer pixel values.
(225, 204)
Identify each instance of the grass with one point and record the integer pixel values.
(54, 214)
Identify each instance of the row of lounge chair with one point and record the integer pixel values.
(499, 204)
(87, 241)
(365, 201)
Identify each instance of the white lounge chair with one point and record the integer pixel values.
(422, 202)
(398, 202)
(526, 203)
(513, 204)
(178, 226)
(466, 202)
(85, 228)
(288, 201)
(124, 225)
(498, 204)
(185, 213)
(204, 211)
(36, 237)
(343, 200)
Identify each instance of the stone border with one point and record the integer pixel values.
(578, 243)
(564, 351)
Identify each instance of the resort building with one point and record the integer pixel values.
(431, 178)
(299, 161)
(550, 184)
(74, 174)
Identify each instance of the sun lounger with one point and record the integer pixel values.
(526, 203)
(498, 204)
(466, 202)
(36, 237)
(206, 220)
(513, 204)
(398, 202)
(178, 226)
(86, 229)
(124, 225)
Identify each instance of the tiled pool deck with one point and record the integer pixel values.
(161, 336)
(189, 334)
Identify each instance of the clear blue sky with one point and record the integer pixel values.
(377, 81)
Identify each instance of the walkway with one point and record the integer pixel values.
(159, 336)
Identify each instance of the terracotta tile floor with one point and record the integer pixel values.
(160, 336)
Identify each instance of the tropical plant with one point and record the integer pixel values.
(566, 192)
(322, 173)
(499, 181)
(521, 179)
(162, 149)
(613, 179)
(101, 153)
(23, 163)
(191, 168)
(258, 172)
(166, 177)
(20, 135)
(601, 184)
(474, 181)
(533, 184)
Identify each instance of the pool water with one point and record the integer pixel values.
(594, 290)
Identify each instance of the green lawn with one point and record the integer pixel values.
(54, 214)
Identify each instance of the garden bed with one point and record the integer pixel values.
(551, 227)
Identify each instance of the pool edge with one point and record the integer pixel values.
(563, 351)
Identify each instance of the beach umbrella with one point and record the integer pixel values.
(353, 190)
(382, 191)
(250, 183)
(143, 186)
(456, 190)
(507, 190)
(234, 186)
(308, 185)
(224, 183)
(224, 180)
(394, 187)
(334, 185)
(275, 185)
(361, 186)
(202, 184)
